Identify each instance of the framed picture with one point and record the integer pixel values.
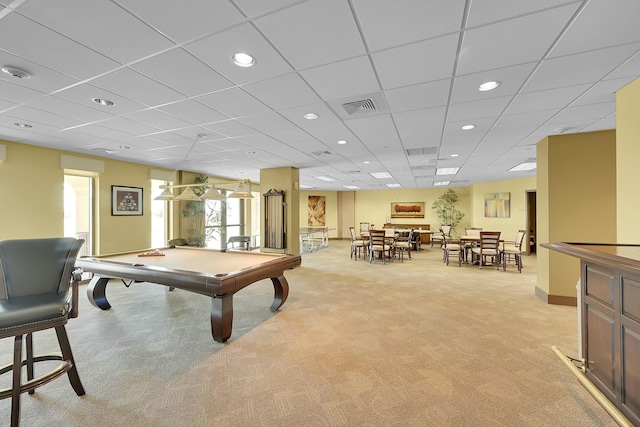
(497, 205)
(407, 210)
(126, 200)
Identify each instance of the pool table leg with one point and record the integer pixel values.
(280, 291)
(221, 317)
(96, 292)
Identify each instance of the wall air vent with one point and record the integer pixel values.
(362, 106)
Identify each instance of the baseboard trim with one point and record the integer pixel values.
(556, 299)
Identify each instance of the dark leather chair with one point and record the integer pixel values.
(38, 291)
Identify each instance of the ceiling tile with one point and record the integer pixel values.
(530, 36)
(217, 50)
(181, 71)
(416, 63)
(313, 33)
(388, 24)
(343, 79)
(94, 27)
(282, 92)
(193, 18)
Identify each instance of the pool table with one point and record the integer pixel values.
(214, 273)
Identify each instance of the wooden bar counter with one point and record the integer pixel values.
(610, 313)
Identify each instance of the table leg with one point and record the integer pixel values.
(96, 292)
(221, 317)
(280, 291)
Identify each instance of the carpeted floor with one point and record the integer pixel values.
(417, 343)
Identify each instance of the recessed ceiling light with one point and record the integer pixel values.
(454, 155)
(23, 125)
(351, 187)
(488, 86)
(310, 116)
(366, 162)
(447, 171)
(395, 185)
(303, 186)
(380, 175)
(16, 72)
(527, 166)
(438, 183)
(242, 59)
(468, 127)
(342, 142)
(324, 178)
(104, 102)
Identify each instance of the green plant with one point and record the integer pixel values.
(445, 209)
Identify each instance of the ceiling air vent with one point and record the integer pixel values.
(424, 151)
(321, 153)
(363, 106)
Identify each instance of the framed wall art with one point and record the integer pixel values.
(126, 200)
(407, 210)
(497, 205)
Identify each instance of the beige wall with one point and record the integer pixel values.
(32, 184)
(518, 201)
(374, 206)
(576, 203)
(627, 156)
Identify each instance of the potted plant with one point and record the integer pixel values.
(445, 209)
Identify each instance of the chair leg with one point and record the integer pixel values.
(74, 378)
(16, 384)
(29, 360)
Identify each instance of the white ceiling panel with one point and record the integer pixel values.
(136, 87)
(216, 51)
(416, 63)
(192, 19)
(93, 27)
(425, 95)
(388, 24)
(530, 36)
(343, 79)
(410, 69)
(183, 72)
(326, 30)
(283, 92)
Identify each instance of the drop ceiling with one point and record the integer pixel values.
(396, 80)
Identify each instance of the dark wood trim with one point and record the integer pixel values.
(562, 300)
(556, 299)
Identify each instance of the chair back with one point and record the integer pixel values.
(446, 229)
(37, 266)
(444, 237)
(519, 239)
(489, 240)
(354, 237)
(376, 237)
(472, 231)
(364, 227)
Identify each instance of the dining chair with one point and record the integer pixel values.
(378, 244)
(471, 232)
(38, 291)
(513, 249)
(450, 246)
(438, 238)
(358, 243)
(404, 243)
(488, 248)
